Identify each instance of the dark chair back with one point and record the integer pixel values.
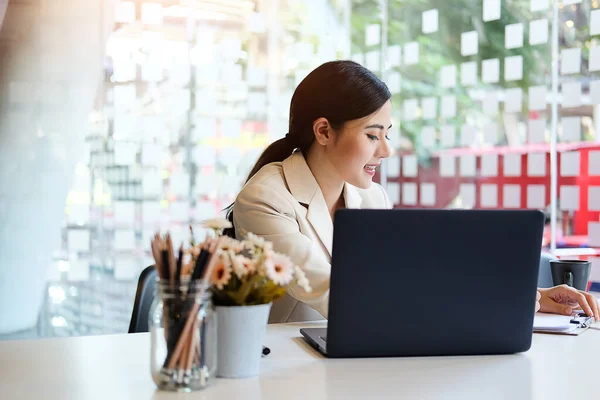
(144, 296)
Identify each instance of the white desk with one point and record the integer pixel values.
(117, 367)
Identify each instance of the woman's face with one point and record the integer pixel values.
(358, 148)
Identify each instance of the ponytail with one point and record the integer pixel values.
(279, 150)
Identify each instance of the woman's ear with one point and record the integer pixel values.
(322, 130)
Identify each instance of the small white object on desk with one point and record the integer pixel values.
(562, 324)
(551, 322)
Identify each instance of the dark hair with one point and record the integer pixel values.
(339, 91)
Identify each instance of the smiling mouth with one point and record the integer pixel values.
(371, 168)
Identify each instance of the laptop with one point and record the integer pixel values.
(431, 283)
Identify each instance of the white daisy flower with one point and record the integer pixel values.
(255, 240)
(241, 265)
(221, 273)
(301, 279)
(216, 223)
(279, 268)
(231, 244)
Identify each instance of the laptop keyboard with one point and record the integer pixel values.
(324, 338)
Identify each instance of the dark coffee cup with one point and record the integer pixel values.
(574, 273)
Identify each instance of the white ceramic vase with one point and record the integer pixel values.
(240, 339)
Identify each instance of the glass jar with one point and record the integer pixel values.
(183, 333)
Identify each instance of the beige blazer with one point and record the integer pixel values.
(284, 204)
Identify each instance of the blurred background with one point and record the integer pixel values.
(122, 118)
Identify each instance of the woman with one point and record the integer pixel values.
(339, 119)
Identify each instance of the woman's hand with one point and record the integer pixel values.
(538, 296)
(563, 299)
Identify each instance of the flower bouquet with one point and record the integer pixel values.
(246, 278)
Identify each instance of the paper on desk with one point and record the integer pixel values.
(552, 322)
